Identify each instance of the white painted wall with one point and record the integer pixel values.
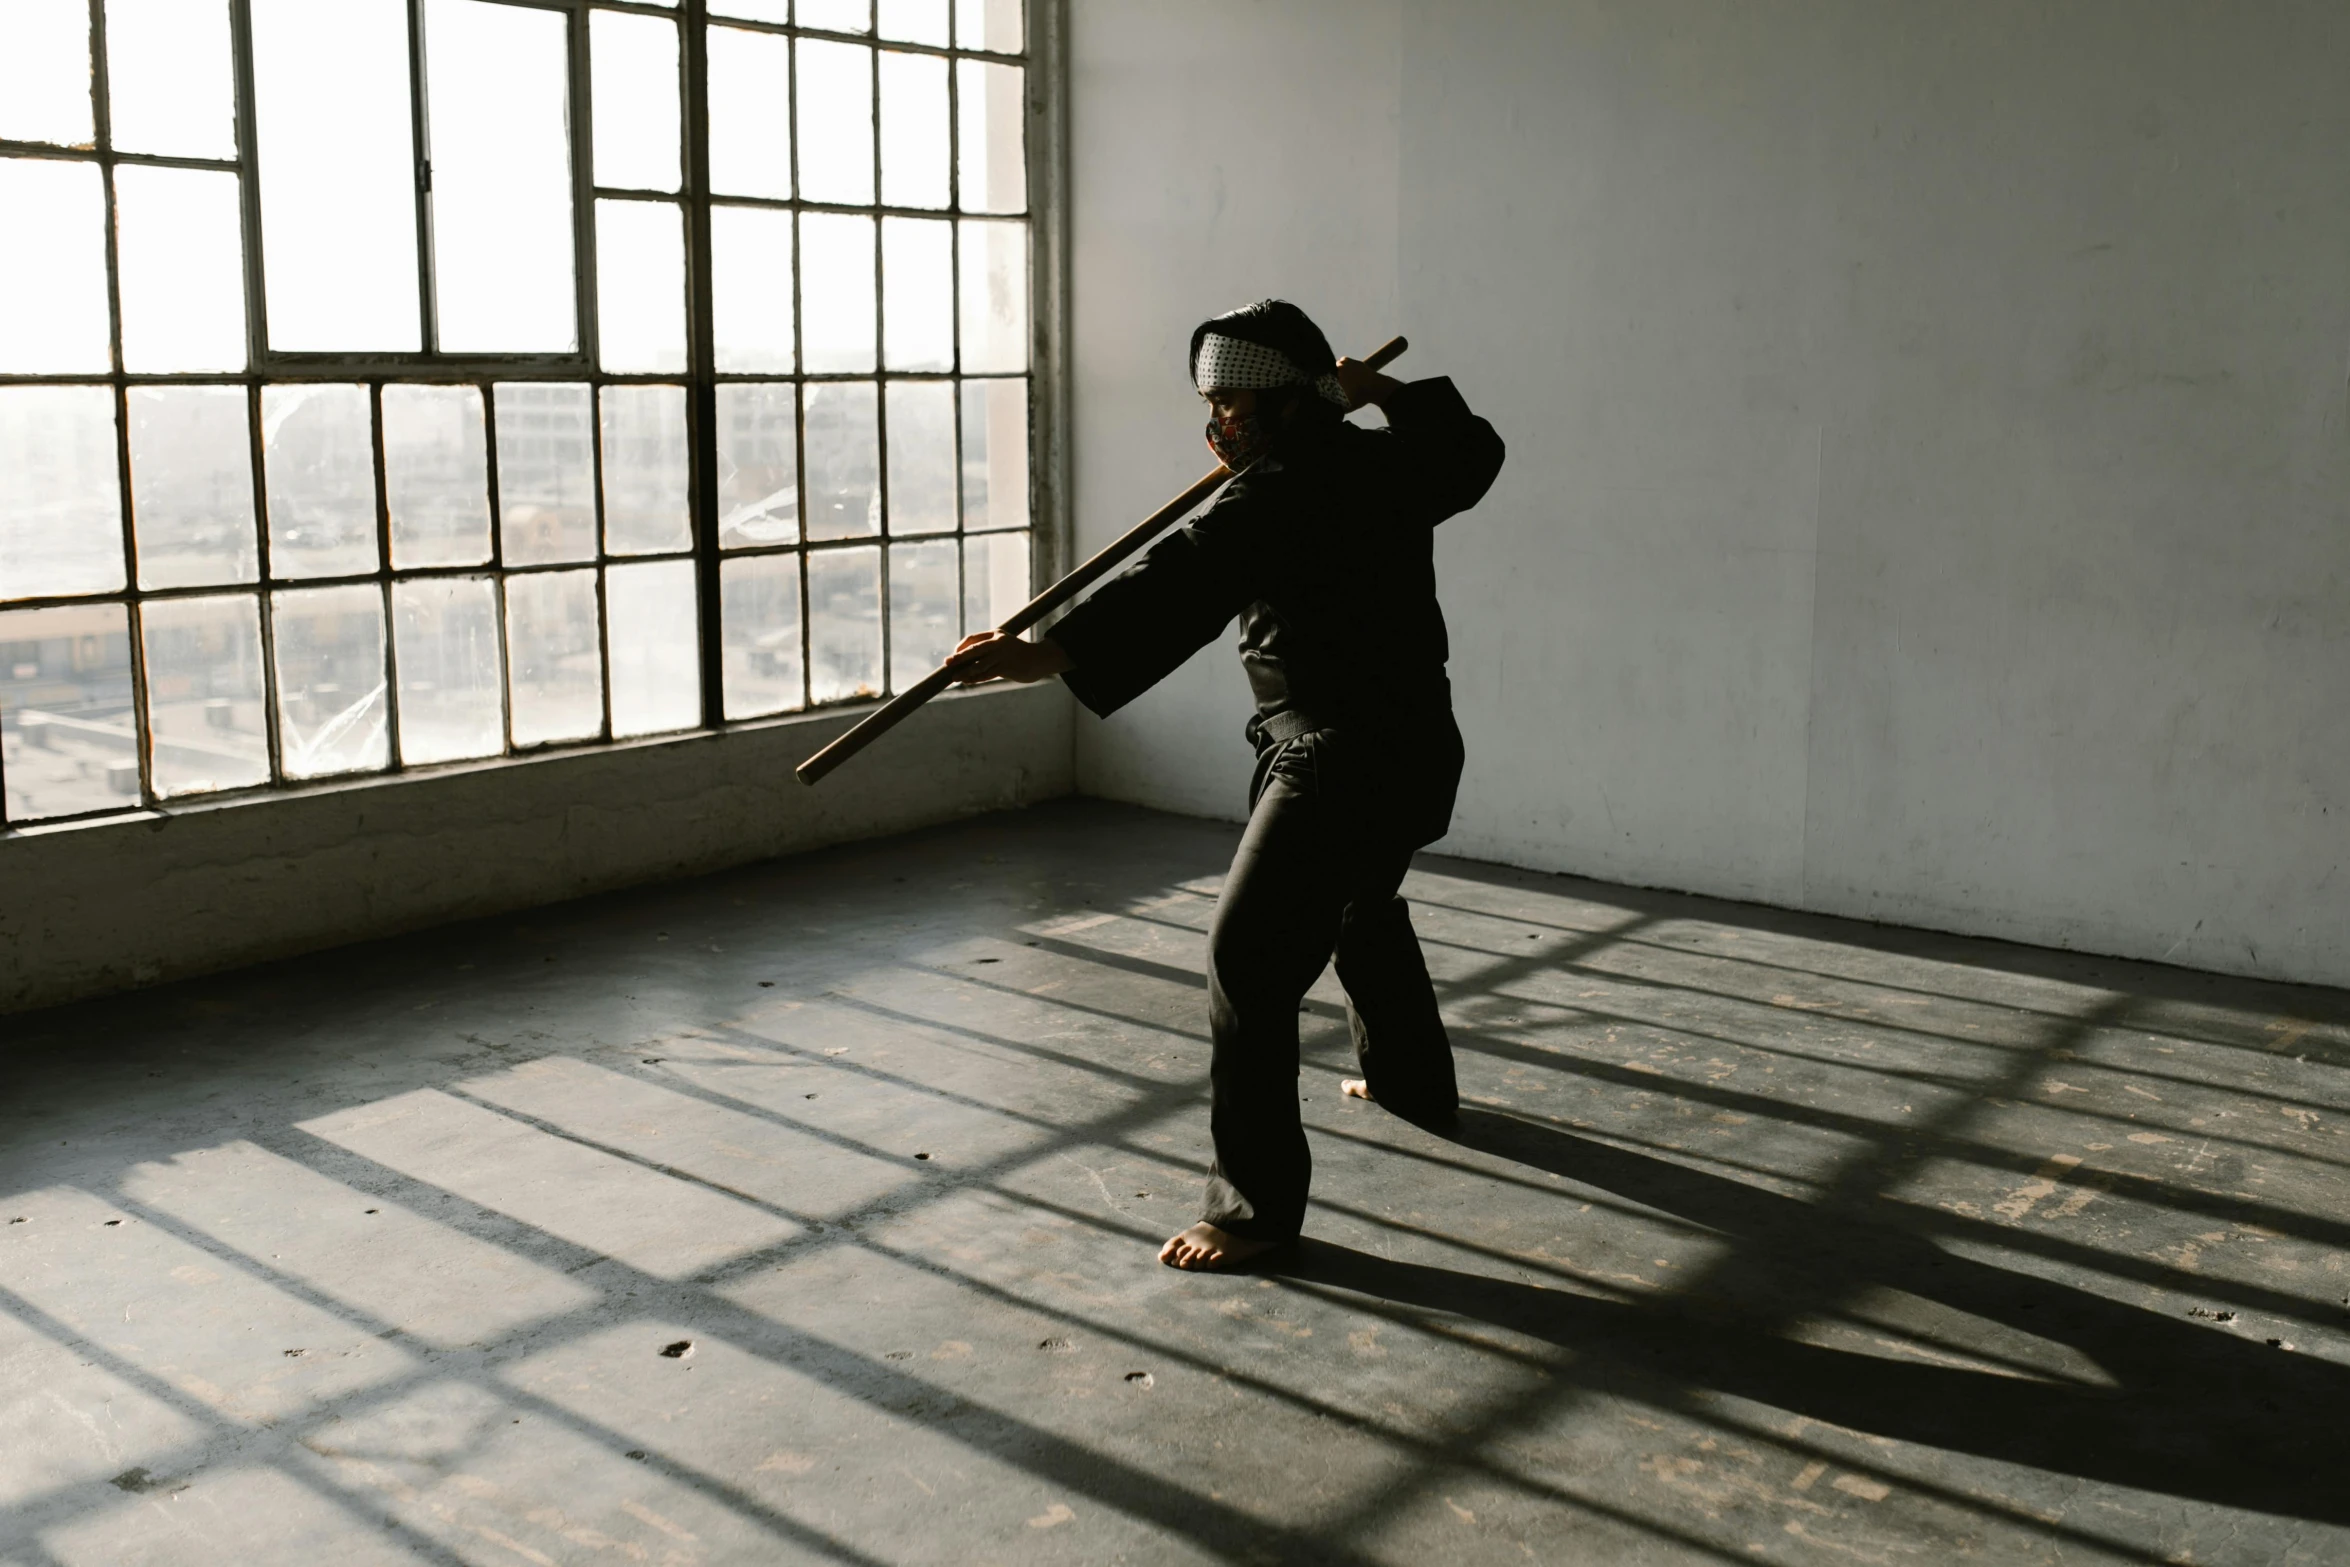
(1929, 493)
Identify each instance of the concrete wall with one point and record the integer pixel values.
(1927, 495)
(101, 907)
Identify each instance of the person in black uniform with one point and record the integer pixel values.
(1323, 546)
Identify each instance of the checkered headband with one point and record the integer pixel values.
(1233, 363)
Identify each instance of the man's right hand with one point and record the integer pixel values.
(990, 655)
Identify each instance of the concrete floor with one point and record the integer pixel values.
(1767, 1238)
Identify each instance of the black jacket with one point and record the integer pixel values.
(1327, 555)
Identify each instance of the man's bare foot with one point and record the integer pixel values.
(1354, 1088)
(1205, 1249)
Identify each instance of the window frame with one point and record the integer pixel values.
(1044, 219)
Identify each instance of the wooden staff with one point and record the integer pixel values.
(893, 712)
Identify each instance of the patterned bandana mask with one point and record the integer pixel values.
(1236, 439)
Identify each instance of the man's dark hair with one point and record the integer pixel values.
(1281, 326)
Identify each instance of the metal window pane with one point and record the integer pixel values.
(753, 10)
(318, 480)
(837, 16)
(499, 85)
(843, 450)
(546, 472)
(836, 291)
(645, 504)
(338, 174)
(445, 638)
(759, 611)
(554, 650)
(634, 60)
(750, 281)
(990, 141)
(993, 25)
(844, 632)
(656, 668)
(994, 293)
(923, 609)
(180, 251)
(205, 726)
(995, 454)
(327, 645)
(758, 464)
(835, 121)
(918, 291)
(67, 740)
(913, 130)
(640, 286)
(995, 579)
(60, 492)
(921, 457)
(169, 86)
(45, 71)
(914, 21)
(750, 113)
(54, 215)
(436, 476)
(192, 486)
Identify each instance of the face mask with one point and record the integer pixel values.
(1237, 440)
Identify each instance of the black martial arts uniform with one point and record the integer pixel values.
(1326, 553)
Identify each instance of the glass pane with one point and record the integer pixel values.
(555, 650)
(995, 454)
(844, 460)
(753, 10)
(501, 178)
(54, 214)
(180, 247)
(45, 71)
(192, 486)
(436, 476)
(67, 742)
(995, 297)
(635, 82)
(168, 86)
(60, 492)
(921, 457)
(656, 666)
(844, 610)
(750, 113)
(445, 637)
(913, 130)
(836, 121)
(923, 591)
(759, 608)
(640, 286)
(914, 21)
(338, 174)
(328, 644)
(645, 504)
(918, 284)
(205, 726)
(836, 291)
(995, 579)
(837, 16)
(758, 465)
(318, 479)
(992, 159)
(993, 25)
(546, 473)
(750, 279)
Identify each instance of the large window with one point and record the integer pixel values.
(386, 383)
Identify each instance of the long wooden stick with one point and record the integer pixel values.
(893, 712)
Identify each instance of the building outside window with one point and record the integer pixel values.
(401, 382)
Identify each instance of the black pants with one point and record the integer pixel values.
(1333, 824)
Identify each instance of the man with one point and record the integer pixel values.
(1324, 547)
